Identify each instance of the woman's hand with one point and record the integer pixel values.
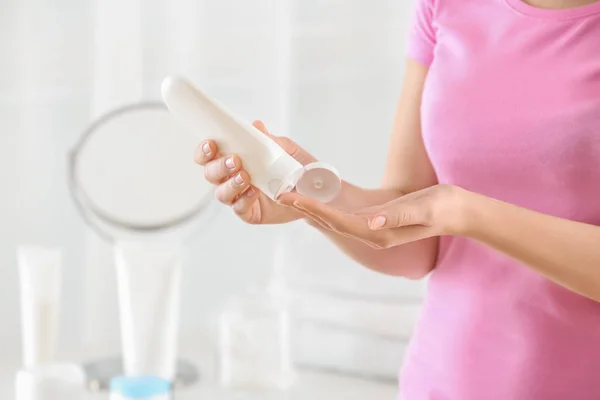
(226, 171)
(433, 211)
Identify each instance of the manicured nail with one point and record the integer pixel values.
(238, 179)
(378, 222)
(206, 149)
(250, 192)
(230, 163)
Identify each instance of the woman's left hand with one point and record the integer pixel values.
(434, 211)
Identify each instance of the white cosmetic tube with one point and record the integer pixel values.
(272, 169)
(149, 281)
(51, 382)
(40, 270)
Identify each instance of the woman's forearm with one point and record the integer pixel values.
(412, 260)
(564, 251)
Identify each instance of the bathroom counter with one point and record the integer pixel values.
(312, 385)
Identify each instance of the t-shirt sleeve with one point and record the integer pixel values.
(421, 36)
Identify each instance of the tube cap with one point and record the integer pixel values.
(142, 387)
(319, 181)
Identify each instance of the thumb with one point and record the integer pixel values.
(397, 216)
(287, 144)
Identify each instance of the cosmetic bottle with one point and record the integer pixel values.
(272, 169)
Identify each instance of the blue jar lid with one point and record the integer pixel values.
(140, 387)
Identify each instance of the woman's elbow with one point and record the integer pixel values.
(413, 270)
(414, 264)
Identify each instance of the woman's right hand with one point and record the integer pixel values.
(233, 188)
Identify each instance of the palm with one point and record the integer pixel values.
(266, 211)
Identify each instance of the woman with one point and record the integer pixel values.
(492, 185)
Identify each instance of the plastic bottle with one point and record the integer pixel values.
(273, 171)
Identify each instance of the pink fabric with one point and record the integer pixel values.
(511, 110)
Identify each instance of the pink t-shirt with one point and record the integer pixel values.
(511, 110)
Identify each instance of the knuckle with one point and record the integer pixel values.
(240, 208)
(210, 174)
(218, 196)
(221, 167)
(288, 145)
(283, 140)
(403, 218)
(222, 196)
(215, 170)
(237, 183)
(199, 157)
(382, 241)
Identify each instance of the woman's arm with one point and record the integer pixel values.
(408, 169)
(564, 251)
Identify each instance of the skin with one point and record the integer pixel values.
(407, 154)
(395, 229)
(559, 4)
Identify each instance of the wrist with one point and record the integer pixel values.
(461, 212)
(468, 205)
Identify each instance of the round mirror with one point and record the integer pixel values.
(133, 172)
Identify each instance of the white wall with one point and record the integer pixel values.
(332, 81)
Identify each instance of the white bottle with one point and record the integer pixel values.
(149, 283)
(51, 382)
(140, 388)
(40, 273)
(272, 170)
(42, 378)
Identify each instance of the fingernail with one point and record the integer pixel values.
(238, 179)
(230, 163)
(250, 192)
(378, 222)
(206, 149)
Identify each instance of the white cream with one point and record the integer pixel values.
(40, 271)
(273, 171)
(149, 280)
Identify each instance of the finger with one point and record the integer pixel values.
(399, 215)
(242, 205)
(321, 222)
(228, 191)
(219, 170)
(261, 127)
(364, 236)
(288, 199)
(326, 225)
(313, 217)
(287, 144)
(339, 221)
(315, 221)
(205, 152)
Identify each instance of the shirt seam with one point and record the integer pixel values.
(555, 18)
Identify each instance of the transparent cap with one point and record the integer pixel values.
(316, 180)
(319, 181)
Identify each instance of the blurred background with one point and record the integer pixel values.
(325, 72)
